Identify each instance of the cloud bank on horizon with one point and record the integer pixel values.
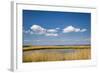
(39, 30)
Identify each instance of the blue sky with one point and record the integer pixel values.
(56, 28)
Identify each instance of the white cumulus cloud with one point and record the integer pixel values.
(77, 29)
(83, 30)
(69, 29)
(38, 29)
(72, 29)
(52, 30)
(51, 34)
(26, 31)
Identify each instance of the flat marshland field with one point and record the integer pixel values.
(55, 53)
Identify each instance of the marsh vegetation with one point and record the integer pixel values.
(55, 53)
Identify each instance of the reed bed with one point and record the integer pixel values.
(82, 54)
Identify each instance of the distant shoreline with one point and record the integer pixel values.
(28, 48)
(59, 45)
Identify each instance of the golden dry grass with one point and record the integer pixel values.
(82, 54)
